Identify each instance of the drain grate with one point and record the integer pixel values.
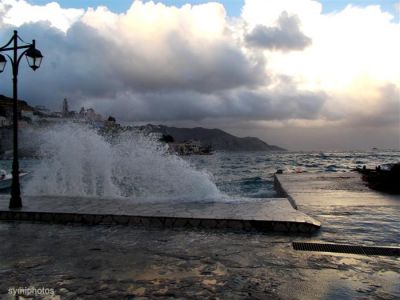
(352, 249)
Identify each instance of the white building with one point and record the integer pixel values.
(4, 122)
(30, 115)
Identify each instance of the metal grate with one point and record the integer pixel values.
(352, 249)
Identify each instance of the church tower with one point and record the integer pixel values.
(65, 111)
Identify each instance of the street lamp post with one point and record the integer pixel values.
(34, 58)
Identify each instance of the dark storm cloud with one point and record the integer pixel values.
(222, 66)
(286, 36)
(181, 82)
(72, 65)
(84, 64)
(237, 105)
(274, 105)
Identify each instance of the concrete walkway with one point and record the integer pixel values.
(271, 214)
(348, 210)
(345, 189)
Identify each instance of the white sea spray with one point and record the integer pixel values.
(77, 161)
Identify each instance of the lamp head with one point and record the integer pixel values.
(34, 58)
(3, 62)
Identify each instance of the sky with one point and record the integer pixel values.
(302, 74)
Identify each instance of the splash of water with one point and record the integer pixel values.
(77, 161)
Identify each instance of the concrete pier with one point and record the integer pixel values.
(308, 189)
(344, 204)
(271, 214)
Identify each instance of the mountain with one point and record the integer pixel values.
(216, 138)
(6, 105)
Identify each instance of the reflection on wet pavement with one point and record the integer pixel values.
(111, 262)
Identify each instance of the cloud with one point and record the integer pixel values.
(285, 36)
(129, 53)
(195, 64)
(191, 105)
(16, 13)
(385, 109)
(266, 12)
(157, 63)
(160, 47)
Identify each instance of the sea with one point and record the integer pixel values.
(76, 161)
(250, 174)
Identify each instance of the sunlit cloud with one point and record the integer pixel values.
(16, 13)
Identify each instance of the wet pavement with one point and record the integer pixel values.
(127, 262)
(123, 262)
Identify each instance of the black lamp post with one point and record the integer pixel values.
(34, 58)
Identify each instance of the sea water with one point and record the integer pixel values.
(77, 161)
(250, 174)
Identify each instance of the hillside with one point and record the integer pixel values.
(218, 139)
(6, 104)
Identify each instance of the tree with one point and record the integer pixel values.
(166, 138)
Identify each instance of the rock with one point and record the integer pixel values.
(63, 291)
